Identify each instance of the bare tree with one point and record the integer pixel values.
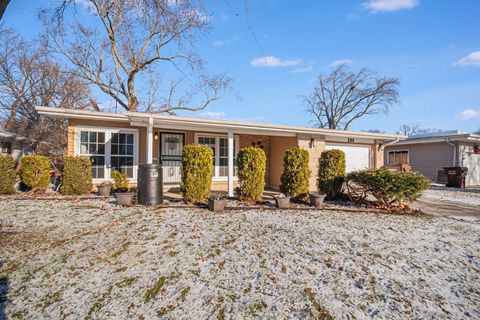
(345, 96)
(123, 44)
(29, 77)
(413, 129)
(3, 7)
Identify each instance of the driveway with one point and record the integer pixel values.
(450, 202)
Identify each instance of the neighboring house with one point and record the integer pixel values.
(430, 153)
(123, 141)
(13, 145)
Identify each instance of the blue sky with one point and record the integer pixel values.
(432, 46)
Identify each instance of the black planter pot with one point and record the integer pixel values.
(316, 199)
(216, 205)
(104, 191)
(282, 202)
(124, 198)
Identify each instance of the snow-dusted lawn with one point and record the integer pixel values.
(88, 259)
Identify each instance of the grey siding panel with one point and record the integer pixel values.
(426, 158)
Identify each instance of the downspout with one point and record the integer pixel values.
(390, 143)
(454, 151)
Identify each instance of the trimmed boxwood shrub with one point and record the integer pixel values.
(251, 167)
(296, 172)
(8, 175)
(196, 171)
(121, 181)
(388, 187)
(331, 172)
(35, 172)
(77, 175)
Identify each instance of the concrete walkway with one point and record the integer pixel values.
(454, 210)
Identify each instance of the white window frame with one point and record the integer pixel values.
(216, 169)
(400, 150)
(108, 148)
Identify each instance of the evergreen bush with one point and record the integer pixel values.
(35, 172)
(388, 187)
(296, 172)
(197, 172)
(251, 168)
(8, 175)
(121, 181)
(331, 172)
(77, 175)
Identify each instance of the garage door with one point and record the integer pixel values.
(356, 157)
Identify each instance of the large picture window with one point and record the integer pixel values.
(122, 153)
(92, 144)
(109, 149)
(219, 145)
(398, 157)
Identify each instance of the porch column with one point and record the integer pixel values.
(150, 141)
(230, 164)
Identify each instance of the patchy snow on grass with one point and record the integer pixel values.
(90, 259)
(465, 196)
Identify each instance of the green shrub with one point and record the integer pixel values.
(296, 172)
(386, 186)
(251, 167)
(77, 175)
(196, 171)
(8, 175)
(35, 172)
(331, 172)
(121, 181)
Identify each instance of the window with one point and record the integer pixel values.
(219, 145)
(109, 149)
(5, 147)
(398, 157)
(92, 144)
(122, 153)
(223, 158)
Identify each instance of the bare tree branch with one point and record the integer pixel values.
(342, 97)
(133, 38)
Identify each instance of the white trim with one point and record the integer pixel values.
(399, 150)
(190, 123)
(216, 169)
(108, 132)
(149, 141)
(230, 163)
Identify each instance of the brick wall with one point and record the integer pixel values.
(260, 141)
(314, 149)
(278, 146)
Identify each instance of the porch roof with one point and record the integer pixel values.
(212, 125)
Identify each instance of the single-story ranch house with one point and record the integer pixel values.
(123, 141)
(13, 145)
(430, 153)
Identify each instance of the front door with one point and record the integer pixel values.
(171, 145)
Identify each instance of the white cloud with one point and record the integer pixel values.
(353, 17)
(225, 42)
(212, 115)
(339, 62)
(389, 5)
(303, 70)
(473, 59)
(87, 5)
(469, 114)
(270, 61)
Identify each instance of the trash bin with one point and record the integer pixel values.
(150, 184)
(456, 176)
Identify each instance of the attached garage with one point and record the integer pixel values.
(356, 157)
